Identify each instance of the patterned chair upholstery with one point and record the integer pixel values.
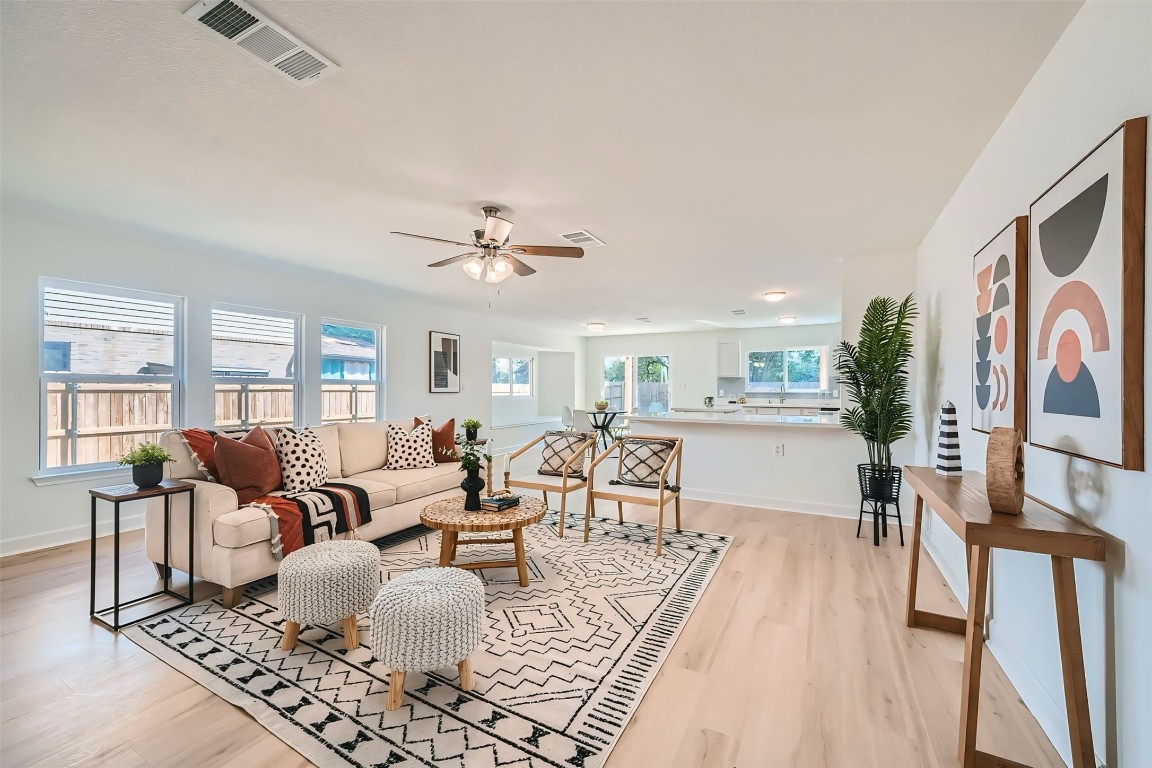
(564, 455)
(643, 468)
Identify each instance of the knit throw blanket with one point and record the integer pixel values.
(317, 515)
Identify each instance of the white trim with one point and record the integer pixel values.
(71, 535)
(765, 502)
(297, 379)
(80, 474)
(378, 380)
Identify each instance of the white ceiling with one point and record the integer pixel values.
(720, 149)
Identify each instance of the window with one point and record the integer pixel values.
(798, 369)
(254, 367)
(350, 362)
(110, 371)
(511, 376)
(640, 384)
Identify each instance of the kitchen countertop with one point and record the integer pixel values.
(726, 408)
(797, 404)
(823, 421)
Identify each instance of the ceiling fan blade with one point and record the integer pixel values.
(435, 239)
(547, 250)
(453, 260)
(497, 230)
(520, 267)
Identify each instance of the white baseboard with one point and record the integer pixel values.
(765, 502)
(20, 544)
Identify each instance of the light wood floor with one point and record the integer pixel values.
(796, 656)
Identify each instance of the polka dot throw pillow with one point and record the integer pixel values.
(410, 450)
(303, 460)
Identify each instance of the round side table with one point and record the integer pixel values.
(449, 517)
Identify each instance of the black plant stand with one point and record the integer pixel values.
(878, 490)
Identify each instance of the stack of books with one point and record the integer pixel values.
(497, 504)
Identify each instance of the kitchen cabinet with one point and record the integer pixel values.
(728, 362)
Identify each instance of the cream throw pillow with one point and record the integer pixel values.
(410, 450)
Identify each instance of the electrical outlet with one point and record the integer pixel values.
(779, 451)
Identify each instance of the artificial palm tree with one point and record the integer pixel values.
(874, 373)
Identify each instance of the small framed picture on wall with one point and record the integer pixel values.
(1086, 305)
(443, 362)
(1000, 330)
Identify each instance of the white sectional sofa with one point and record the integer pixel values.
(233, 544)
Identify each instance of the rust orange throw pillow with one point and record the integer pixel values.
(443, 439)
(249, 465)
(203, 447)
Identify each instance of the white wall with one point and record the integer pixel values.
(693, 354)
(1097, 75)
(867, 276)
(36, 242)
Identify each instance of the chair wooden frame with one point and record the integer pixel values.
(619, 494)
(566, 487)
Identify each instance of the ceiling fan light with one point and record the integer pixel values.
(474, 267)
(499, 270)
(496, 230)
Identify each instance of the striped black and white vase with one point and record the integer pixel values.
(948, 453)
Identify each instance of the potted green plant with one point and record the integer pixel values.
(601, 405)
(147, 461)
(471, 428)
(874, 375)
(471, 461)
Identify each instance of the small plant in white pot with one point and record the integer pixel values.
(147, 461)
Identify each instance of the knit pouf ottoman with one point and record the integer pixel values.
(425, 620)
(326, 582)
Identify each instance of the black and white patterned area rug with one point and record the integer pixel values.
(563, 666)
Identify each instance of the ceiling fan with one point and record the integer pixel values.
(493, 259)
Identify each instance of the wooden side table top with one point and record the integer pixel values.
(962, 503)
(130, 491)
(449, 515)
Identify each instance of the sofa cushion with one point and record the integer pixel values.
(410, 450)
(414, 483)
(642, 460)
(380, 495)
(329, 434)
(558, 448)
(303, 461)
(443, 440)
(363, 446)
(248, 465)
(202, 445)
(241, 527)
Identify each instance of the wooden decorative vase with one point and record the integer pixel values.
(1005, 471)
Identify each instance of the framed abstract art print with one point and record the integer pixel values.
(1086, 305)
(443, 362)
(1000, 328)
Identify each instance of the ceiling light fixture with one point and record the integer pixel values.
(596, 327)
(474, 267)
(499, 269)
(787, 319)
(775, 295)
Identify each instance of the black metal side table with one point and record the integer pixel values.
(117, 494)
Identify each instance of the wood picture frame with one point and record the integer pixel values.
(1000, 330)
(1086, 305)
(443, 362)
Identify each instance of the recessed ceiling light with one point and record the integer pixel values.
(787, 319)
(596, 327)
(775, 295)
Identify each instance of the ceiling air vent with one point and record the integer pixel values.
(583, 238)
(643, 319)
(263, 38)
(739, 311)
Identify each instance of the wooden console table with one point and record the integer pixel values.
(962, 503)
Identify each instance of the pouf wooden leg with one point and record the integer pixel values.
(465, 669)
(395, 691)
(291, 632)
(351, 634)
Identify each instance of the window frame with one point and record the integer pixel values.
(297, 380)
(825, 373)
(512, 377)
(378, 380)
(176, 379)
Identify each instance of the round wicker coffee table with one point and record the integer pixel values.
(449, 517)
